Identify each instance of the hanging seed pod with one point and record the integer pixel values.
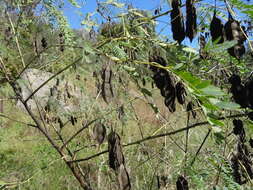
(99, 132)
(177, 22)
(189, 108)
(61, 125)
(73, 120)
(182, 183)
(233, 31)
(61, 39)
(249, 92)
(235, 165)
(238, 91)
(202, 43)
(157, 59)
(191, 20)
(116, 157)
(123, 178)
(180, 92)
(170, 99)
(44, 42)
(251, 142)
(216, 29)
(238, 129)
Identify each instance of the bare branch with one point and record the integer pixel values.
(161, 135)
(78, 132)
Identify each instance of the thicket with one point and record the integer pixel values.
(209, 91)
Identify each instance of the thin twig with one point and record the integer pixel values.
(78, 132)
(200, 147)
(160, 135)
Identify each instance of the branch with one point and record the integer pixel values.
(200, 147)
(161, 135)
(79, 131)
(44, 83)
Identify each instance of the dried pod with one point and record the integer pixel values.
(157, 59)
(233, 31)
(73, 120)
(238, 129)
(61, 36)
(180, 92)
(202, 43)
(251, 142)
(235, 165)
(116, 157)
(191, 20)
(182, 183)
(99, 132)
(237, 51)
(189, 108)
(61, 125)
(249, 91)
(44, 42)
(123, 178)
(177, 22)
(170, 100)
(238, 91)
(216, 29)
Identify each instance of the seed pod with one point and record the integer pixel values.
(177, 22)
(191, 20)
(249, 91)
(123, 178)
(235, 165)
(44, 42)
(182, 183)
(73, 120)
(238, 129)
(216, 29)
(61, 125)
(202, 43)
(189, 108)
(170, 100)
(157, 59)
(233, 31)
(180, 92)
(251, 142)
(61, 36)
(116, 157)
(99, 132)
(238, 91)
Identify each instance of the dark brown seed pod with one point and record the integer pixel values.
(191, 20)
(116, 157)
(170, 100)
(233, 31)
(235, 165)
(182, 183)
(237, 51)
(177, 22)
(238, 91)
(238, 129)
(202, 43)
(44, 42)
(123, 178)
(99, 133)
(216, 29)
(251, 142)
(61, 36)
(189, 108)
(180, 92)
(61, 125)
(73, 120)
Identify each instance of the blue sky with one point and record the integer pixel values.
(76, 15)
